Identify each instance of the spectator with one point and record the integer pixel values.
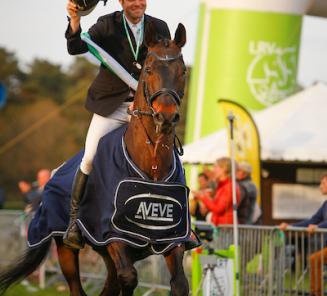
(317, 259)
(33, 194)
(197, 208)
(248, 194)
(221, 205)
(212, 183)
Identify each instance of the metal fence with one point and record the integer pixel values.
(153, 274)
(13, 225)
(272, 262)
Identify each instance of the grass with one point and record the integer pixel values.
(56, 290)
(23, 290)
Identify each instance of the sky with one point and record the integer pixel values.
(35, 29)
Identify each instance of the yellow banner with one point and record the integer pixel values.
(246, 139)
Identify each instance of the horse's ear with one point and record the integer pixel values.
(151, 37)
(180, 35)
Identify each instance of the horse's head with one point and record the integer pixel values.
(163, 78)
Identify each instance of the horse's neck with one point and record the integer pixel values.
(137, 136)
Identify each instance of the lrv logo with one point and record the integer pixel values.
(155, 211)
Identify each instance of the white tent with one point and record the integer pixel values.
(292, 130)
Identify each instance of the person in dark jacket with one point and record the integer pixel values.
(33, 192)
(319, 258)
(248, 192)
(121, 35)
(197, 209)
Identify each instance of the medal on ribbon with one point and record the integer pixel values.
(135, 51)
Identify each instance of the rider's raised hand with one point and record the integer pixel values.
(74, 17)
(72, 9)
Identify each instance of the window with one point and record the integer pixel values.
(309, 176)
(295, 201)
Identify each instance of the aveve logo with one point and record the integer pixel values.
(155, 211)
(152, 211)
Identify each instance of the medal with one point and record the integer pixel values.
(137, 65)
(138, 42)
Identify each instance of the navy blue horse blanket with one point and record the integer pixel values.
(107, 193)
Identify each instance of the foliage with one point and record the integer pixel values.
(44, 121)
(45, 80)
(10, 74)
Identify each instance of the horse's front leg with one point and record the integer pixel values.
(178, 281)
(126, 272)
(68, 260)
(111, 286)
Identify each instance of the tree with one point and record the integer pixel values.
(82, 69)
(44, 80)
(10, 74)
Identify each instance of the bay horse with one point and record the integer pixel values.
(149, 141)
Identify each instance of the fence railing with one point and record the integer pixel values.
(275, 262)
(152, 272)
(272, 262)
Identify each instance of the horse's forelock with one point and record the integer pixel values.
(166, 42)
(166, 47)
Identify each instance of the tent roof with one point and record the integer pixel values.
(293, 130)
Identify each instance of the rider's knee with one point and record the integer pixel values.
(86, 165)
(128, 277)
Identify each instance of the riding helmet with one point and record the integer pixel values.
(86, 6)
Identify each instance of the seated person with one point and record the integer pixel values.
(319, 258)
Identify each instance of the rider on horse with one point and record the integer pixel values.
(121, 35)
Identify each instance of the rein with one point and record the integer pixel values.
(149, 98)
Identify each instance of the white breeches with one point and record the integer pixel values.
(100, 126)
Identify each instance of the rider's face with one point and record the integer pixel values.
(134, 9)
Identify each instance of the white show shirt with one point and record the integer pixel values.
(136, 29)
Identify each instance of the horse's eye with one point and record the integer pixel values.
(184, 71)
(147, 70)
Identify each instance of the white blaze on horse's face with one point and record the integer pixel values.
(133, 9)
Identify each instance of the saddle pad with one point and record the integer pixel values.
(156, 212)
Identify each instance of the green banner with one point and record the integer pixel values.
(248, 56)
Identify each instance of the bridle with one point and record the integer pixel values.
(149, 98)
(163, 91)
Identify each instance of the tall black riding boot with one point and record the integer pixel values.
(73, 237)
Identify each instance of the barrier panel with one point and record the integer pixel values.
(13, 225)
(272, 262)
(152, 272)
